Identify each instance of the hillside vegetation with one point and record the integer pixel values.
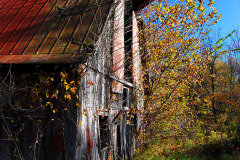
(191, 81)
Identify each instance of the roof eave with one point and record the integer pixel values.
(43, 59)
(140, 4)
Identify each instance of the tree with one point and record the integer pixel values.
(175, 55)
(189, 89)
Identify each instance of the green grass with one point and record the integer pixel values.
(176, 149)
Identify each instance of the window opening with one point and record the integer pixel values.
(104, 131)
(128, 40)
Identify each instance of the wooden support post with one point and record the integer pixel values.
(137, 69)
(118, 45)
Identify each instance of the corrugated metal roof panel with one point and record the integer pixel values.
(37, 31)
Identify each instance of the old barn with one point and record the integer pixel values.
(70, 73)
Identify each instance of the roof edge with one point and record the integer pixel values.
(42, 58)
(140, 4)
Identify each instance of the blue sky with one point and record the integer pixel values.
(230, 16)
(230, 11)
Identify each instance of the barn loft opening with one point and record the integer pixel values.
(128, 40)
(104, 132)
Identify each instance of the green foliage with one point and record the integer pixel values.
(213, 145)
(192, 98)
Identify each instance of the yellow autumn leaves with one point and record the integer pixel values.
(68, 89)
(175, 56)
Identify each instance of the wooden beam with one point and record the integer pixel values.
(122, 81)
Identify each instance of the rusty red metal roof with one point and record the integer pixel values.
(49, 31)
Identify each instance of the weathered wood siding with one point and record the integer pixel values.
(137, 70)
(104, 129)
(94, 92)
(45, 135)
(102, 126)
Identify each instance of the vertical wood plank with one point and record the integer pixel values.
(137, 69)
(118, 45)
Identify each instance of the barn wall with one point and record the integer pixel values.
(118, 44)
(137, 70)
(38, 133)
(94, 99)
(104, 127)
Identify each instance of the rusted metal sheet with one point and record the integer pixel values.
(89, 143)
(15, 28)
(42, 58)
(118, 45)
(82, 135)
(42, 27)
